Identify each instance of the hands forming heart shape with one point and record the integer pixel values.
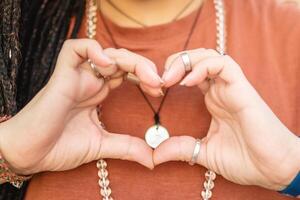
(60, 130)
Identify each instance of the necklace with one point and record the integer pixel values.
(112, 4)
(157, 133)
(210, 176)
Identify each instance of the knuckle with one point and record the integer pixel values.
(223, 60)
(127, 154)
(109, 50)
(124, 53)
(124, 50)
(68, 43)
(200, 50)
(93, 43)
(171, 59)
(227, 60)
(148, 61)
(213, 52)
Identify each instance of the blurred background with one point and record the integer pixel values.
(292, 1)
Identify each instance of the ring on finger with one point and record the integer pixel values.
(210, 80)
(132, 78)
(186, 61)
(196, 152)
(96, 72)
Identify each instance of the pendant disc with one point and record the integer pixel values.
(155, 135)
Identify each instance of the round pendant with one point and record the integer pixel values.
(155, 135)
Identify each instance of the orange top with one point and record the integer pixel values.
(263, 37)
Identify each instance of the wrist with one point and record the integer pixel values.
(8, 176)
(6, 173)
(293, 167)
(293, 189)
(3, 122)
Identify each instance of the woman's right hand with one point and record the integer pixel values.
(59, 129)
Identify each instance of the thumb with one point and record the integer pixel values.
(56, 99)
(126, 147)
(69, 75)
(77, 51)
(179, 148)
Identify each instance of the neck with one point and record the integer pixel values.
(148, 12)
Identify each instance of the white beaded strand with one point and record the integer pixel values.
(103, 182)
(220, 25)
(91, 21)
(210, 176)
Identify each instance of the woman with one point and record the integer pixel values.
(242, 139)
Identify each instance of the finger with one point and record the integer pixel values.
(179, 148)
(115, 82)
(76, 51)
(107, 70)
(222, 67)
(204, 86)
(118, 74)
(126, 147)
(134, 63)
(89, 85)
(175, 69)
(116, 79)
(103, 89)
(98, 97)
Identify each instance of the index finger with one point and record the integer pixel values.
(175, 69)
(179, 148)
(76, 51)
(142, 67)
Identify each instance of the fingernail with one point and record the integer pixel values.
(161, 81)
(165, 76)
(182, 83)
(161, 92)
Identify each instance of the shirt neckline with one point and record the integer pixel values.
(156, 33)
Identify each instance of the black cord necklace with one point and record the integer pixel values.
(156, 134)
(112, 4)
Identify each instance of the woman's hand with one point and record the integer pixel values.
(59, 129)
(246, 143)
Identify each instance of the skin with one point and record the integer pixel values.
(234, 147)
(157, 11)
(59, 129)
(246, 143)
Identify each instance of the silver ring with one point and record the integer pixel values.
(186, 61)
(196, 152)
(132, 78)
(96, 72)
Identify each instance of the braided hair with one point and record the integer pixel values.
(31, 35)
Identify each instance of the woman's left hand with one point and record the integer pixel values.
(246, 143)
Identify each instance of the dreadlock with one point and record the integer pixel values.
(9, 53)
(49, 27)
(32, 33)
